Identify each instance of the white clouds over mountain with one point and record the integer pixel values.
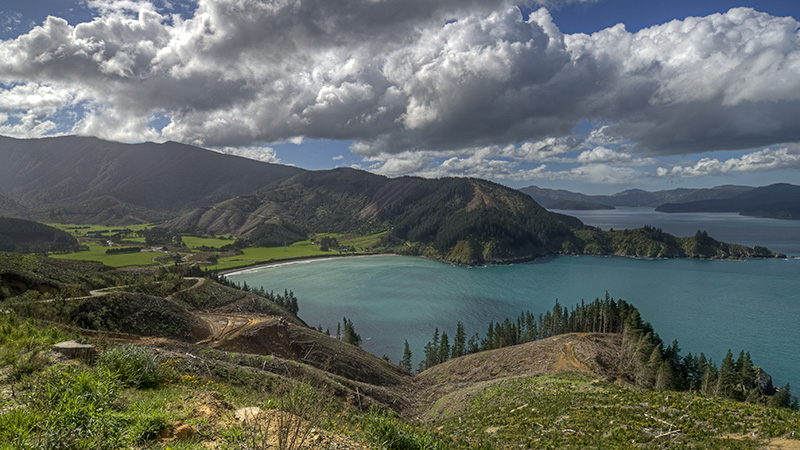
(409, 81)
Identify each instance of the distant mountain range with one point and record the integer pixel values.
(83, 179)
(189, 189)
(780, 201)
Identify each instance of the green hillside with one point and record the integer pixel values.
(179, 356)
(454, 219)
(75, 179)
(19, 235)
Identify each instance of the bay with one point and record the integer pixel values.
(708, 306)
(781, 236)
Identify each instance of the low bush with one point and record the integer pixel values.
(137, 367)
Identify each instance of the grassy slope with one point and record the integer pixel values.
(576, 411)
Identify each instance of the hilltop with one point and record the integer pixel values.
(75, 179)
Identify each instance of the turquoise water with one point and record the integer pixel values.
(709, 306)
(781, 236)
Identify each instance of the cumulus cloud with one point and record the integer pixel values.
(785, 158)
(265, 154)
(472, 83)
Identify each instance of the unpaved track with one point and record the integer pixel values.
(225, 325)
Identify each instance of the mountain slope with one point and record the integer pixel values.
(19, 235)
(780, 201)
(561, 199)
(456, 219)
(89, 180)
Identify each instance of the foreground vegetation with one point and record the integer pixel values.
(578, 411)
(163, 379)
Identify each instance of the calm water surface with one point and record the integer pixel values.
(778, 235)
(709, 306)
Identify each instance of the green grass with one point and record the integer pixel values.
(572, 411)
(251, 256)
(361, 243)
(195, 242)
(85, 228)
(258, 255)
(97, 252)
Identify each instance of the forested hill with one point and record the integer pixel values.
(561, 199)
(456, 219)
(18, 235)
(779, 201)
(88, 180)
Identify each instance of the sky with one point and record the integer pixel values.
(595, 96)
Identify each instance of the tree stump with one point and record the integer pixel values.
(76, 350)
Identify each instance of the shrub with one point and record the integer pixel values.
(389, 433)
(137, 367)
(67, 409)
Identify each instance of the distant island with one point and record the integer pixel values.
(777, 201)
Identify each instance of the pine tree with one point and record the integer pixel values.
(709, 383)
(665, 377)
(653, 364)
(746, 372)
(782, 398)
(459, 341)
(349, 334)
(726, 381)
(474, 344)
(405, 363)
(444, 349)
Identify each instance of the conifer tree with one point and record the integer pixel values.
(349, 334)
(444, 349)
(459, 341)
(665, 377)
(405, 363)
(709, 383)
(746, 372)
(726, 380)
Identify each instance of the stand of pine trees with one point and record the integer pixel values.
(287, 301)
(650, 363)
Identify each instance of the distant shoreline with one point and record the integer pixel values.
(298, 260)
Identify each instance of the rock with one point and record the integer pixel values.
(247, 414)
(76, 350)
(184, 432)
(177, 432)
(764, 382)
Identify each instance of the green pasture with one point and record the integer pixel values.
(83, 228)
(195, 242)
(257, 255)
(97, 252)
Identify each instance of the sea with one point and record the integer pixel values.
(708, 306)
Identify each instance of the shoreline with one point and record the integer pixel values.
(298, 260)
(534, 260)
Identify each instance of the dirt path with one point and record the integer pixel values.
(199, 281)
(224, 325)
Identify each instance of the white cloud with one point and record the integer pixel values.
(464, 79)
(265, 154)
(786, 158)
(338, 157)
